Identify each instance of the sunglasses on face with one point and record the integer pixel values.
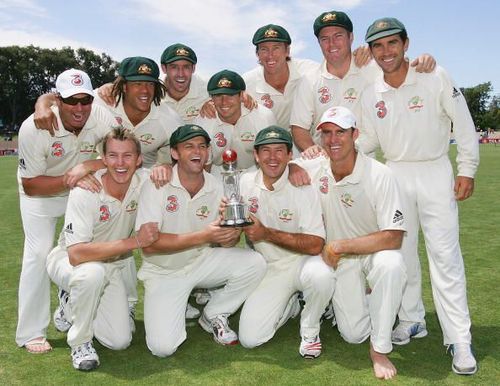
(87, 100)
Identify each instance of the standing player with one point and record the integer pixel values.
(95, 238)
(364, 229)
(338, 82)
(184, 257)
(47, 169)
(185, 91)
(234, 127)
(290, 235)
(409, 115)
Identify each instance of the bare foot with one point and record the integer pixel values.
(382, 366)
(38, 346)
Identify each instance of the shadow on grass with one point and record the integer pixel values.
(199, 357)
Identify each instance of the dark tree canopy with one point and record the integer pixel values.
(28, 72)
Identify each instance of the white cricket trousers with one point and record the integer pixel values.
(262, 313)
(39, 216)
(429, 202)
(98, 305)
(166, 292)
(360, 315)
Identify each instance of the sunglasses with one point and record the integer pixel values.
(87, 100)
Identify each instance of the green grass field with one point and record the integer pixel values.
(201, 361)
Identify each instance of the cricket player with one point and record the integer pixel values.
(338, 82)
(290, 235)
(192, 250)
(409, 115)
(364, 224)
(96, 237)
(235, 126)
(48, 167)
(185, 91)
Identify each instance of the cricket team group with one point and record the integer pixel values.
(333, 234)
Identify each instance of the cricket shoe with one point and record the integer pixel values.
(61, 323)
(329, 314)
(310, 348)
(219, 327)
(402, 334)
(202, 297)
(131, 317)
(291, 310)
(85, 357)
(464, 362)
(192, 312)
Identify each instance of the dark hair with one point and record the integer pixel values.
(118, 90)
(403, 35)
(121, 134)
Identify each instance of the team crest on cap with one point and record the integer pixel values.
(329, 17)
(202, 212)
(224, 82)
(182, 52)
(57, 149)
(381, 25)
(172, 204)
(270, 33)
(104, 213)
(144, 69)
(76, 80)
(272, 134)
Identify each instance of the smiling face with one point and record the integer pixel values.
(191, 155)
(337, 142)
(121, 160)
(335, 43)
(138, 95)
(273, 160)
(179, 74)
(228, 107)
(272, 56)
(74, 117)
(389, 53)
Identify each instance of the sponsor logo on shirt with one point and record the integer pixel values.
(57, 149)
(247, 136)
(87, 147)
(415, 104)
(267, 101)
(324, 95)
(172, 204)
(398, 216)
(350, 95)
(192, 112)
(323, 184)
(147, 139)
(131, 206)
(285, 215)
(69, 228)
(202, 212)
(22, 164)
(253, 205)
(220, 140)
(104, 213)
(346, 200)
(456, 93)
(77, 80)
(381, 109)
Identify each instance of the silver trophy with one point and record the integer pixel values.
(235, 213)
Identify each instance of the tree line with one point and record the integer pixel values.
(27, 72)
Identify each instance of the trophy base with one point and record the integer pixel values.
(236, 223)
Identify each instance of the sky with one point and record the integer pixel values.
(462, 35)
